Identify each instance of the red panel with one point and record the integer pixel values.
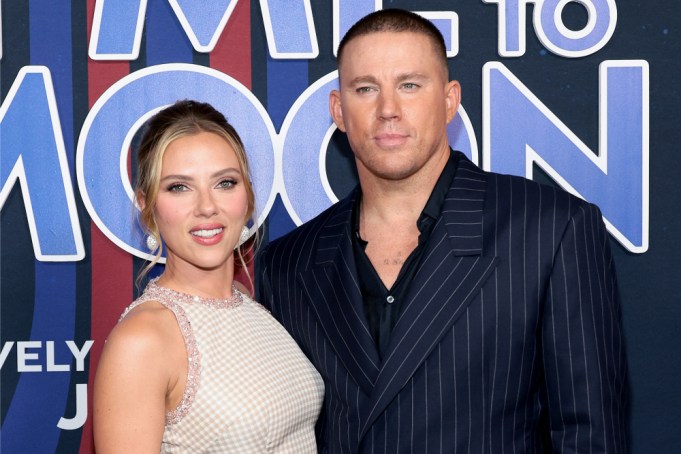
(232, 53)
(112, 278)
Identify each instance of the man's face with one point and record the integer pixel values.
(394, 104)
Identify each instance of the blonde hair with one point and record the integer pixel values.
(184, 118)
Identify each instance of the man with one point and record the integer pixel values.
(447, 308)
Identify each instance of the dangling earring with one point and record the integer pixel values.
(152, 243)
(243, 236)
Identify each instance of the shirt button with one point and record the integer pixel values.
(390, 299)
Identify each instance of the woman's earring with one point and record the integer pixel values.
(243, 236)
(152, 243)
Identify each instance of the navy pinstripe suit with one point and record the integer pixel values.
(509, 340)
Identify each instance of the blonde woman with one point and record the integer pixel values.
(195, 365)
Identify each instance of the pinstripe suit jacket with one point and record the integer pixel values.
(509, 340)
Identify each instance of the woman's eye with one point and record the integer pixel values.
(177, 187)
(226, 184)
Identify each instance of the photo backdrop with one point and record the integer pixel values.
(582, 94)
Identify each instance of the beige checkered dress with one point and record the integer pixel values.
(249, 387)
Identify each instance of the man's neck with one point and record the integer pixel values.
(394, 202)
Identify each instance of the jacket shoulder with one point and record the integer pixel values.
(523, 191)
(512, 191)
(303, 239)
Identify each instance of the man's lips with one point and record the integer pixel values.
(390, 139)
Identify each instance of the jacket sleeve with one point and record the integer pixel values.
(583, 354)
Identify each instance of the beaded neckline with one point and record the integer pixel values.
(153, 289)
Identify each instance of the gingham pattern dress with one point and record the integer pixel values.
(249, 388)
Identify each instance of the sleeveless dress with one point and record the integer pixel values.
(250, 389)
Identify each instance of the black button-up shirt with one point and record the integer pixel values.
(382, 306)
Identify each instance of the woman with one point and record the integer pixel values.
(194, 364)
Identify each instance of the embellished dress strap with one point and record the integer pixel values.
(153, 292)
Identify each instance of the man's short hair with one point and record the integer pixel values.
(395, 20)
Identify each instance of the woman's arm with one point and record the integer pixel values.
(136, 378)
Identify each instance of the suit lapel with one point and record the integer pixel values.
(450, 275)
(331, 285)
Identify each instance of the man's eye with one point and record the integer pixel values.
(364, 89)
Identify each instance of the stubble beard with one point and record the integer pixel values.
(384, 166)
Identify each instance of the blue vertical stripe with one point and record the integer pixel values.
(286, 80)
(16, 265)
(166, 40)
(40, 398)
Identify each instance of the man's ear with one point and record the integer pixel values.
(335, 109)
(452, 99)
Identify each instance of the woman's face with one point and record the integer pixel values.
(202, 203)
